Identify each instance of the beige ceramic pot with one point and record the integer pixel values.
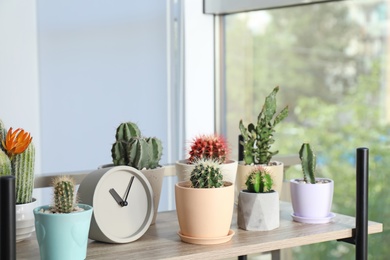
(204, 213)
(243, 171)
(229, 170)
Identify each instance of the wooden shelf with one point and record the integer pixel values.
(162, 242)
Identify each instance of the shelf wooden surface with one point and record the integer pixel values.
(162, 242)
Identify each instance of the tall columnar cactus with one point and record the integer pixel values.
(209, 147)
(308, 161)
(206, 174)
(257, 139)
(5, 164)
(259, 180)
(134, 150)
(23, 170)
(64, 194)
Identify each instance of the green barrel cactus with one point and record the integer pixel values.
(64, 194)
(259, 180)
(134, 150)
(308, 162)
(206, 174)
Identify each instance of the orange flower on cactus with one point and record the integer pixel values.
(16, 142)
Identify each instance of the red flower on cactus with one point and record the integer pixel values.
(209, 147)
(16, 142)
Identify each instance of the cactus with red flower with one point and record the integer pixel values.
(212, 147)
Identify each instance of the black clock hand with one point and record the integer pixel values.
(128, 190)
(116, 196)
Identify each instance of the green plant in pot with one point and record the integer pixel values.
(311, 196)
(258, 204)
(204, 205)
(143, 153)
(208, 146)
(62, 228)
(17, 158)
(257, 139)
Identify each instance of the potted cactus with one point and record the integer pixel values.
(258, 205)
(17, 158)
(311, 197)
(257, 139)
(142, 153)
(204, 205)
(211, 146)
(62, 228)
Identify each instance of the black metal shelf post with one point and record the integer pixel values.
(360, 233)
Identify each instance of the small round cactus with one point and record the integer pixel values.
(206, 174)
(259, 180)
(64, 194)
(209, 147)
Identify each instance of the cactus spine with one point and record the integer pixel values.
(259, 180)
(134, 150)
(257, 139)
(209, 147)
(206, 174)
(64, 198)
(308, 161)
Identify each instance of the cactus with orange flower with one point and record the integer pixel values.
(18, 147)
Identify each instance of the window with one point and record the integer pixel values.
(331, 61)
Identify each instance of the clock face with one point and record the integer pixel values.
(123, 204)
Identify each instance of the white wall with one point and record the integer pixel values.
(19, 88)
(100, 64)
(199, 70)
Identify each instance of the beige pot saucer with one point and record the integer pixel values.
(206, 241)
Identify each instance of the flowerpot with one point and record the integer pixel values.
(258, 211)
(25, 220)
(276, 171)
(63, 236)
(155, 178)
(204, 214)
(229, 170)
(312, 202)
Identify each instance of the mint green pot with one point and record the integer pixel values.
(63, 236)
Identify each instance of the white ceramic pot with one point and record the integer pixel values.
(155, 178)
(312, 202)
(258, 211)
(25, 220)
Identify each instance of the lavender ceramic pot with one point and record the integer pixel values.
(312, 201)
